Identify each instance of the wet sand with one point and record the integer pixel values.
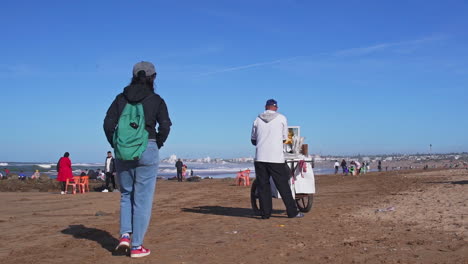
(211, 222)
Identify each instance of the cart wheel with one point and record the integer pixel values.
(254, 199)
(304, 204)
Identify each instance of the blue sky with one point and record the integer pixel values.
(357, 76)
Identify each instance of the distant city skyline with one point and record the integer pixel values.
(250, 158)
(358, 77)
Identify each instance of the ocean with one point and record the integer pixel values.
(166, 170)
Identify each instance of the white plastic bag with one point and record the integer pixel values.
(304, 181)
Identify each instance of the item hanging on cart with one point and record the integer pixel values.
(304, 178)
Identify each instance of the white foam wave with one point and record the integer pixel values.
(45, 166)
(3, 164)
(88, 164)
(207, 170)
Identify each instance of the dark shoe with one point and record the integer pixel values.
(265, 217)
(299, 215)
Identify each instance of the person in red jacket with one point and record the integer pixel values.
(64, 170)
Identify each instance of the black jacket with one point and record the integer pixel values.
(179, 165)
(155, 113)
(111, 165)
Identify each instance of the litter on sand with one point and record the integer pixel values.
(388, 209)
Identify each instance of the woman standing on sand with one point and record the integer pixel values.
(138, 177)
(64, 170)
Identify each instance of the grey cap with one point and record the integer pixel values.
(145, 66)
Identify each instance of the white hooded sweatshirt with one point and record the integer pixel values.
(269, 130)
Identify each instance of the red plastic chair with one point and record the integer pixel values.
(247, 177)
(79, 184)
(85, 183)
(243, 178)
(72, 184)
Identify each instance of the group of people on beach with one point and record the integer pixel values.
(355, 167)
(182, 170)
(5, 174)
(65, 173)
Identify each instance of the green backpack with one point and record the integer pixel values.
(130, 137)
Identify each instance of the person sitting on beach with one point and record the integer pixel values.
(355, 167)
(100, 175)
(36, 175)
(92, 174)
(22, 176)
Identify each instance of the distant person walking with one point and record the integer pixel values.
(137, 177)
(380, 166)
(344, 167)
(269, 132)
(22, 176)
(179, 165)
(109, 170)
(337, 166)
(64, 170)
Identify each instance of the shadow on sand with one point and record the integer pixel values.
(226, 211)
(450, 182)
(106, 240)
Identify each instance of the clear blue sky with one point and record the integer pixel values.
(357, 76)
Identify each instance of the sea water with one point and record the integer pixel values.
(166, 170)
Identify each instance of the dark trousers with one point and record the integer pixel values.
(280, 174)
(110, 177)
(179, 175)
(62, 185)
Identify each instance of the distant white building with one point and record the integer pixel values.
(318, 158)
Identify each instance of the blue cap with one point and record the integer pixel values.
(272, 102)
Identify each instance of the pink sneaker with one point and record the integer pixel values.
(124, 242)
(139, 252)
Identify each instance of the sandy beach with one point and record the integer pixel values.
(211, 222)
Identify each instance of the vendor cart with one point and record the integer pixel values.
(302, 183)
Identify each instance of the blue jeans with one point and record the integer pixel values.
(137, 183)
